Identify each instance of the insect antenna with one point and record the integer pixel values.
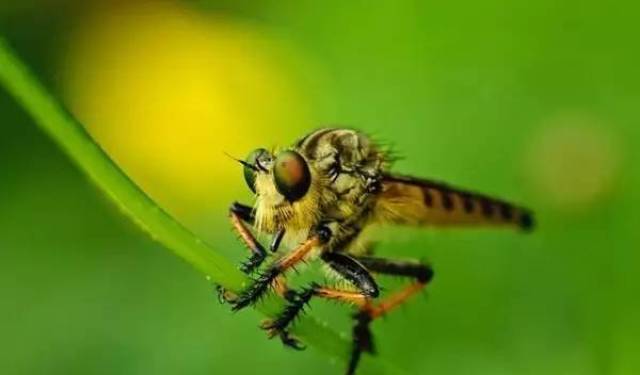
(244, 163)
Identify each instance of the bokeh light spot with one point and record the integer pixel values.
(573, 160)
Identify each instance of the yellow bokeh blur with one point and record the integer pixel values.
(167, 91)
(574, 161)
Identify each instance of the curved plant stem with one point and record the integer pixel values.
(85, 152)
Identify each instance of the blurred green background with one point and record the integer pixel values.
(536, 102)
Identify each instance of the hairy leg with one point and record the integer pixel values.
(362, 337)
(421, 273)
(242, 215)
(349, 269)
(265, 279)
(239, 215)
(297, 302)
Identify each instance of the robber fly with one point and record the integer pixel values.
(316, 198)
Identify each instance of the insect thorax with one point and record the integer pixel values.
(349, 167)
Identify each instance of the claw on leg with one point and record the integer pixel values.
(291, 342)
(284, 335)
(225, 296)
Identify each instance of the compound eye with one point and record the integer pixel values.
(250, 173)
(291, 175)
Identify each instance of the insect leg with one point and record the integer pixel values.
(422, 274)
(277, 238)
(264, 281)
(361, 333)
(349, 269)
(353, 271)
(243, 211)
(239, 215)
(297, 302)
(362, 339)
(362, 336)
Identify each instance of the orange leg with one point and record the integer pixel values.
(297, 301)
(397, 299)
(342, 264)
(280, 285)
(245, 235)
(266, 279)
(420, 272)
(239, 215)
(362, 337)
(352, 298)
(297, 255)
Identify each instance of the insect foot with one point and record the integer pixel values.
(256, 290)
(295, 306)
(291, 342)
(251, 264)
(225, 296)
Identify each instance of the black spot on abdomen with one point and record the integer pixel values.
(447, 201)
(427, 197)
(487, 207)
(467, 203)
(506, 211)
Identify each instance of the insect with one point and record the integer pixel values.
(316, 198)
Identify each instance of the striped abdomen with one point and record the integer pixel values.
(407, 200)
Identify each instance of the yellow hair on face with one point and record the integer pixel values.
(273, 211)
